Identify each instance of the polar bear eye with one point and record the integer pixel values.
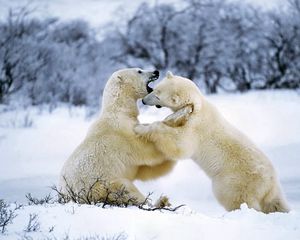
(140, 71)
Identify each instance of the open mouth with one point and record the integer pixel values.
(152, 78)
(149, 89)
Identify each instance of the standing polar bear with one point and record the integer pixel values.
(240, 172)
(111, 150)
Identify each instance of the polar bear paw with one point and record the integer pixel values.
(162, 202)
(180, 117)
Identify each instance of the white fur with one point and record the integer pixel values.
(111, 151)
(239, 171)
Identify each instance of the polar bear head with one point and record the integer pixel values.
(133, 82)
(124, 88)
(174, 92)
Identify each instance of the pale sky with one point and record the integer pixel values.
(98, 12)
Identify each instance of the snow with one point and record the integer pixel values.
(31, 159)
(83, 221)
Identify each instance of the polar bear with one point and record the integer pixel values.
(239, 171)
(111, 156)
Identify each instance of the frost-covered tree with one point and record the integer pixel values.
(48, 61)
(222, 46)
(147, 37)
(283, 37)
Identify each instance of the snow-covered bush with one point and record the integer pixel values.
(6, 216)
(39, 201)
(113, 197)
(33, 224)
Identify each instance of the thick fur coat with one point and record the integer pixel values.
(240, 172)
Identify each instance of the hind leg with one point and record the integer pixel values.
(274, 201)
(224, 196)
(231, 196)
(233, 205)
(113, 192)
(254, 203)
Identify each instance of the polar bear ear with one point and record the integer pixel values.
(169, 74)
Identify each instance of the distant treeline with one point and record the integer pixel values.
(221, 46)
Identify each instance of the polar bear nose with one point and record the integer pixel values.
(155, 73)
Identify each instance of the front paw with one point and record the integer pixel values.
(180, 117)
(141, 129)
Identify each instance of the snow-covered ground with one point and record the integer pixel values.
(85, 221)
(31, 159)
